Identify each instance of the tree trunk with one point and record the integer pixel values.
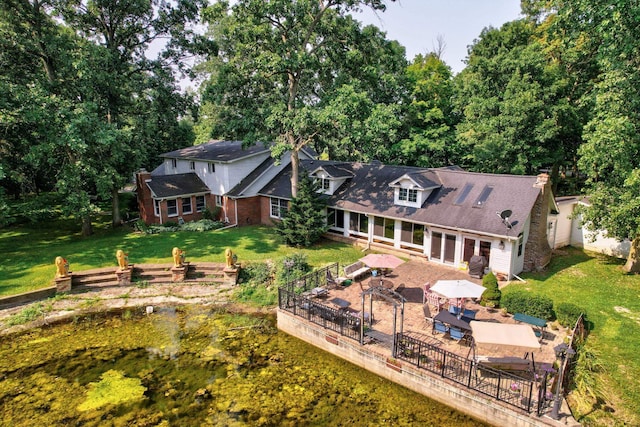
(633, 260)
(295, 162)
(116, 219)
(87, 228)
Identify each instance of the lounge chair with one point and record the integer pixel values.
(469, 314)
(428, 317)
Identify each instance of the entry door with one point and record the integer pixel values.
(469, 246)
(485, 250)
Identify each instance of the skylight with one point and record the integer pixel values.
(463, 195)
(486, 191)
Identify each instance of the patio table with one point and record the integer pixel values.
(319, 292)
(340, 303)
(445, 317)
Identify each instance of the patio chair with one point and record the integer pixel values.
(454, 310)
(400, 288)
(428, 317)
(469, 314)
(439, 327)
(456, 334)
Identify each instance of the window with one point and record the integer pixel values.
(335, 218)
(192, 166)
(218, 200)
(212, 167)
(481, 200)
(186, 205)
(279, 207)
(408, 195)
(156, 207)
(172, 207)
(412, 233)
(520, 240)
(383, 227)
(200, 204)
(359, 222)
(174, 163)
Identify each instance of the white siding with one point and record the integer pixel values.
(562, 226)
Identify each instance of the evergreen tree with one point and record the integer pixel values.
(305, 221)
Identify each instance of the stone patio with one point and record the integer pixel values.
(414, 274)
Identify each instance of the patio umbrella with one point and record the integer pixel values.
(458, 289)
(381, 261)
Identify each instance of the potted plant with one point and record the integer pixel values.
(504, 312)
(491, 306)
(514, 388)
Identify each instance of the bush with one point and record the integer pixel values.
(567, 314)
(212, 214)
(521, 301)
(493, 293)
(202, 225)
(256, 284)
(256, 273)
(291, 268)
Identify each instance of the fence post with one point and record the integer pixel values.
(444, 363)
(472, 365)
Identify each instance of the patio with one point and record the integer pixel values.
(414, 274)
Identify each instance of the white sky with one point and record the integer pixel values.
(416, 24)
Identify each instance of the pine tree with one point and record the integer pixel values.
(305, 221)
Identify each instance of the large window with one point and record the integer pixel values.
(412, 233)
(186, 205)
(383, 227)
(359, 222)
(279, 207)
(408, 195)
(335, 218)
(200, 203)
(172, 207)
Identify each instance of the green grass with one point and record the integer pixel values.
(612, 302)
(29, 251)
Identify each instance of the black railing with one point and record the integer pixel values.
(316, 279)
(504, 386)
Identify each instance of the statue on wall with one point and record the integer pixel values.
(123, 259)
(228, 255)
(178, 257)
(62, 267)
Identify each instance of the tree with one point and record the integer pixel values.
(518, 111)
(612, 140)
(430, 116)
(305, 221)
(300, 73)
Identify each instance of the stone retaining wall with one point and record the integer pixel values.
(420, 381)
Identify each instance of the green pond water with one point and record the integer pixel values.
(193, 366)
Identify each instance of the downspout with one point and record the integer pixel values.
(235, 204)
(160, 209)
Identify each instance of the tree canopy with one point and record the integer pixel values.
(303, 73)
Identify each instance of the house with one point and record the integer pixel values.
(446, 215)
(566, 229)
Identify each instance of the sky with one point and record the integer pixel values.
(416, 24)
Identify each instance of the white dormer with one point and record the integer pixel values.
(409, 192)
(328, 182)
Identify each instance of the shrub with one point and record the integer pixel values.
(256, 273)
(212, 214)
(521, 301)
(202, 225)
(567, 314)
(292, 267)
(304, 222)
(493, 293)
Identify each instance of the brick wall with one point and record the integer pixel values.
(143, 194)
(249, 211)
(537, 252)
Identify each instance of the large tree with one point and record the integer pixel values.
(83, 100)
(609, 156)
(303, 73)
(518, 114)
(430, 117)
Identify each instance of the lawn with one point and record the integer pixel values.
(30, 251)
(611, 300)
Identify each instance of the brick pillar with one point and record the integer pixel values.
(537, 250)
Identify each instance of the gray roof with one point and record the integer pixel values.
(167, 186)
(369, 192)
(337, 171)
(220, 151)
(241, 187)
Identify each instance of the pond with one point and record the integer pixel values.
(193, 366)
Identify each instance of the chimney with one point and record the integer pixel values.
(542, 181)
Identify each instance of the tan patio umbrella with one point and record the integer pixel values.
(381, 261)
(458, 289)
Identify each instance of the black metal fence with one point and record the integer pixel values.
(504, 386)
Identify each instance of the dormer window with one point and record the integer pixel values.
(324, 184)
(408, 195)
